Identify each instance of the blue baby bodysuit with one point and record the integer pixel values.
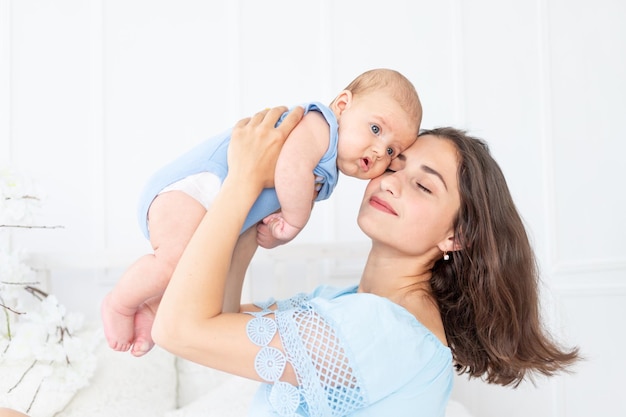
(211, 156)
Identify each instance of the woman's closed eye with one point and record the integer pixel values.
(423, 188)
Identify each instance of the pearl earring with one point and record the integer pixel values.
(446, 257)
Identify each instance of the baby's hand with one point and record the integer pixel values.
(265, 238)
(280, 232)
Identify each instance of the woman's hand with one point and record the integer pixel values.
(256, 143)
(189, 321)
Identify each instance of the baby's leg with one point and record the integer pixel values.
(173, 218)
(242, 255)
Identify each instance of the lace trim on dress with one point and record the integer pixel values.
(327, 380)
(328, 384)
(270, 362)
(297, 301)
(261, 330)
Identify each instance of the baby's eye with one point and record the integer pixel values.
(375, 129)
(390, 151)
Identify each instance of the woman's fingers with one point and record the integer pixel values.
(256, 143)
(291, 120)
(242, 122)
(269, 118)
(259, 117)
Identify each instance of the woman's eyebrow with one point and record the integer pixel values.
(429, 170)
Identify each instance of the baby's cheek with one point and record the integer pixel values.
(377, 171)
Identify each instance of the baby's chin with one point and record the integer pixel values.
(360, 174)
(355, 172)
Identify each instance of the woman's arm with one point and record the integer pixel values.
(242, 255)
(189, 321)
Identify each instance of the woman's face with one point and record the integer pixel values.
(413, 208)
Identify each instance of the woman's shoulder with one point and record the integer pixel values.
(363, 318)
(383, 340)
(355, 313)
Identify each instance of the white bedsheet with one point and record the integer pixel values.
(151, 386)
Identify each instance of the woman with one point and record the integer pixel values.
(450, 278)
(8, 412)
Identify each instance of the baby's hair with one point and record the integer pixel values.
(400, 88)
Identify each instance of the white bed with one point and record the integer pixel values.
(160, 385)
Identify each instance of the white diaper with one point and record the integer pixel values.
(203, 187)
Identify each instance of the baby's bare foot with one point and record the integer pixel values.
(118, 324)
(143, 330)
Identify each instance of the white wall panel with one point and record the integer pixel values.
(95, 95)
(5, 99)
(503, 81)
(284, 49)
(166, 88)
(96, 124)
(418, 38)
(588, 40)
(49, 109)
(596, 387)
(5, 82)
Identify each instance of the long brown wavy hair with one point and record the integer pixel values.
(488, 291)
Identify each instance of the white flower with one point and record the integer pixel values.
(18, 198)
(38, 336)
(13, 270)
(74, 321)
(27, 338)
(51, 352)
(49, 314)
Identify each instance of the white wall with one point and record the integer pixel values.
(96, 94)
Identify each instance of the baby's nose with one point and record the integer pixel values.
(379, 152)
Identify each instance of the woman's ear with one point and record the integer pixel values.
(450, 244)
(341, 102)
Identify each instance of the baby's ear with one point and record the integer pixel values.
(341, 102)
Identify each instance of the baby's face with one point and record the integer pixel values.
(373, 130)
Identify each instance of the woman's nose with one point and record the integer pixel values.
(389, 182)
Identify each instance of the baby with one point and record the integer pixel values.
(375, 118)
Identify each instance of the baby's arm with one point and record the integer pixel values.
(294, 178)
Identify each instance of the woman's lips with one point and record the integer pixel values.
(381, 205)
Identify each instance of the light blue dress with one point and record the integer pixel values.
(354, 354)
(211, 156)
